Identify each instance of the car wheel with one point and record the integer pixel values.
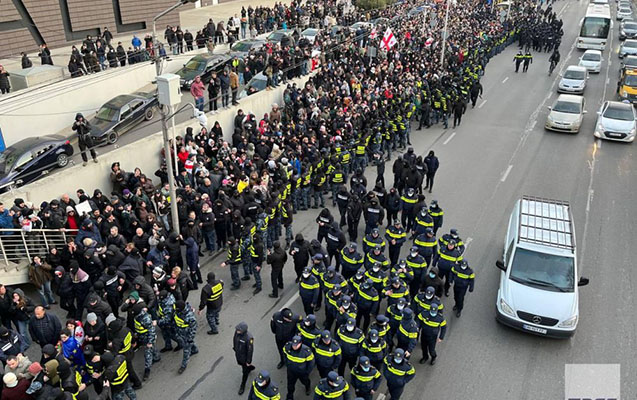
(149, 114)
(112, 137)
(62, 160)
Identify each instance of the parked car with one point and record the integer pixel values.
(566, 114)
(573, 80)
(616, 121)
(243, 47)
(361, 24)
(628, 48)
(310, 34)
(31, 158)
(591, 60)
(203, 65)
(120, 114)
(258, 83)
(278, 35)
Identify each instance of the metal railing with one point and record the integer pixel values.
(18, 248)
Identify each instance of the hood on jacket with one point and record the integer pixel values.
(78, 116)
(139, 281)
(242, 327)
(115, 326)
(190, 242)
(299, 238)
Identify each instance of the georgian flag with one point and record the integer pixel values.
(388, 39)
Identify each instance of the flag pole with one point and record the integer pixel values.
(444, 39)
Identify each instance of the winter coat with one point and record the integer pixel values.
(46, 330)
(277, 259)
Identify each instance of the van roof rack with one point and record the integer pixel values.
(547, 222)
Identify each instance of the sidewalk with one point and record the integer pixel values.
(192, 20)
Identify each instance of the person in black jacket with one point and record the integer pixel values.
(276, 259)
(83, 128)
(6, 301)
(243, 346)
(44, 327)
(300, 252)
(283, 325)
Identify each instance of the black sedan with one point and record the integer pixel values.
(203, 65)
(628, 30)
(30, 158)
(120, 114)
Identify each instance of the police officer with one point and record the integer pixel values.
(332, 386)
(407, 204)
(257, 255)
(378, 275)
(463, 278)
(373, 215)
(116, 374)
(308, 330)
(342, 200)
(373, 240)
(233, 260)
(426, 244)
(166, 320)
(407, 334)
(422, 222)
(433, 329)
(381, 324)
(357, 280)
(396, 236)
(437, 214)
(121, 339)
(375, 347)
(351, 260)
(398, 372)
(424, 299)
(445, 259)
(518, 58)
(318, 269)
(324, 221)
(300, 363)
(146, 336)
(212, 300)
(283, 325)
(397, 289)
(243, 346)
(528, 59)
(354, 211)
(328, 353)
(365, 379)
(309, 290)
(350, 338)
(345, 309)
(331, 303)
(395, 314)
(263, 388)
(335, 243)
(368, 302)
(418, 265)
(186, 330)
(453, 234)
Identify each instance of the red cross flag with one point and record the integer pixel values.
(373, 34)
(388, 39)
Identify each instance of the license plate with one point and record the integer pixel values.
(534, 329)
(617, 135)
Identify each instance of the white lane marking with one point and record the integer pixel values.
(292, 300)
(559, 14)
(591, 192)
(449, 138)
(609, 61)
(533, 124)
(483, 103)
(505, 79)
(598, 142)
(506, 173)
(607, 81)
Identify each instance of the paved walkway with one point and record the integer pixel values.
(192, 19)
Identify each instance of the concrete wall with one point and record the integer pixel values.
(51, 109)
(143, 154)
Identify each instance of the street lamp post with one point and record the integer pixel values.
(164, 122)
(444, 37)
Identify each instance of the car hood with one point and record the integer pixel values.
(572, 82)
(617, 125)
(99, 126)
(589, 62)
(564, 117)
(538, 301)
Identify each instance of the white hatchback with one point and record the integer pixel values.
(616, 121)
(573, 80)
(591, 60)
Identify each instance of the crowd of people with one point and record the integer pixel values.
(125, 277)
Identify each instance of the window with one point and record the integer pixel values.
(124, 113)
(23, 160)
(546, 271)
(135, 104)
(38, 151)
(507, 255)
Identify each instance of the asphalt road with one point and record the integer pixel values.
(499, 153)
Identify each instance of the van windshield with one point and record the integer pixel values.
(549, 272)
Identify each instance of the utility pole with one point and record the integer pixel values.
(444, 37)
(164, 122)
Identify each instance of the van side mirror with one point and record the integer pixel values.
(584, 112)
(549, 107)
(500, 265)
(582, 281)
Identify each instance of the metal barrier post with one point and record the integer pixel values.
(4, 254)
(26, 248)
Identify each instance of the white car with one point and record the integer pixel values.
(538, 290)
(628, 48)
(591, 60)
(616, 121)
(310, 34)
(573, 80)
(623, 12)
(566, 114)
(600, 2)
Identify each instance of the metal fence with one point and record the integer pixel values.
(18, 247)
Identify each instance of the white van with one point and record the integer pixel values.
(538, 284)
